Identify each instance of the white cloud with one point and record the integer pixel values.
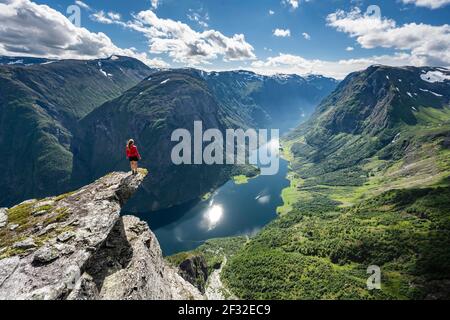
(306, 36)
(282, 33)
(349, 49)
(427, 44)
(288, 63)
(48, 33)
(82, 5)
(432, 4)
(185, 45)
(155, 3)
(106, 18)
(181, 42)
(271, 12)
(293, 3)
(114, 15)
(199, 17)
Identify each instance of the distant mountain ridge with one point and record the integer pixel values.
(277, 101)
(24, 61)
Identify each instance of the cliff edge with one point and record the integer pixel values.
(77, 246)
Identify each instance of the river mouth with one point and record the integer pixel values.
(232, 210)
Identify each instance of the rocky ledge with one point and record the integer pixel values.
(77, 246)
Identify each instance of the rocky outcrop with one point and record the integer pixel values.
(195, 270)
(76, 246)
(130, 266)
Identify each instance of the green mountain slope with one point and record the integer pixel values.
(40, 105)
(369, 186)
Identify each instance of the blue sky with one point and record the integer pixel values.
(326, 37)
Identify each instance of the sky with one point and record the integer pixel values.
(331, 38)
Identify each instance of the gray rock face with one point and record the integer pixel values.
(195, 271)
(130, 266)
(83, 249)
(3, 217)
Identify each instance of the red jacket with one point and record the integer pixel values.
(133, 152)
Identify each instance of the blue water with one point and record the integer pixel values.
(232, 210)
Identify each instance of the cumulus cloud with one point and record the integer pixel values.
(185, 45)
(428, 45)
(349, 49)
(432, 4)
(282, 33)
(288, 63)
(306, 36)
(48, 33)
(271, 12)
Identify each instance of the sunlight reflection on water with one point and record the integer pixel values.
(212, 216)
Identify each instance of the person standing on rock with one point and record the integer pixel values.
(133, 155)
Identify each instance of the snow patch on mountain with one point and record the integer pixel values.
(435, 76)
(429, 91)
(16, 62)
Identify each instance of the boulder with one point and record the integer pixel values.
(45, 255)
(25, 244)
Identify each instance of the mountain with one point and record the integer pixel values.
(45, 103)
(382, 111)
(24, 61)
(370, 186)
(169, 100)
(40, 105)
(150, 112)
(76, 246)
(279, 101)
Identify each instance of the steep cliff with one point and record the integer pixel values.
(77, 246)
